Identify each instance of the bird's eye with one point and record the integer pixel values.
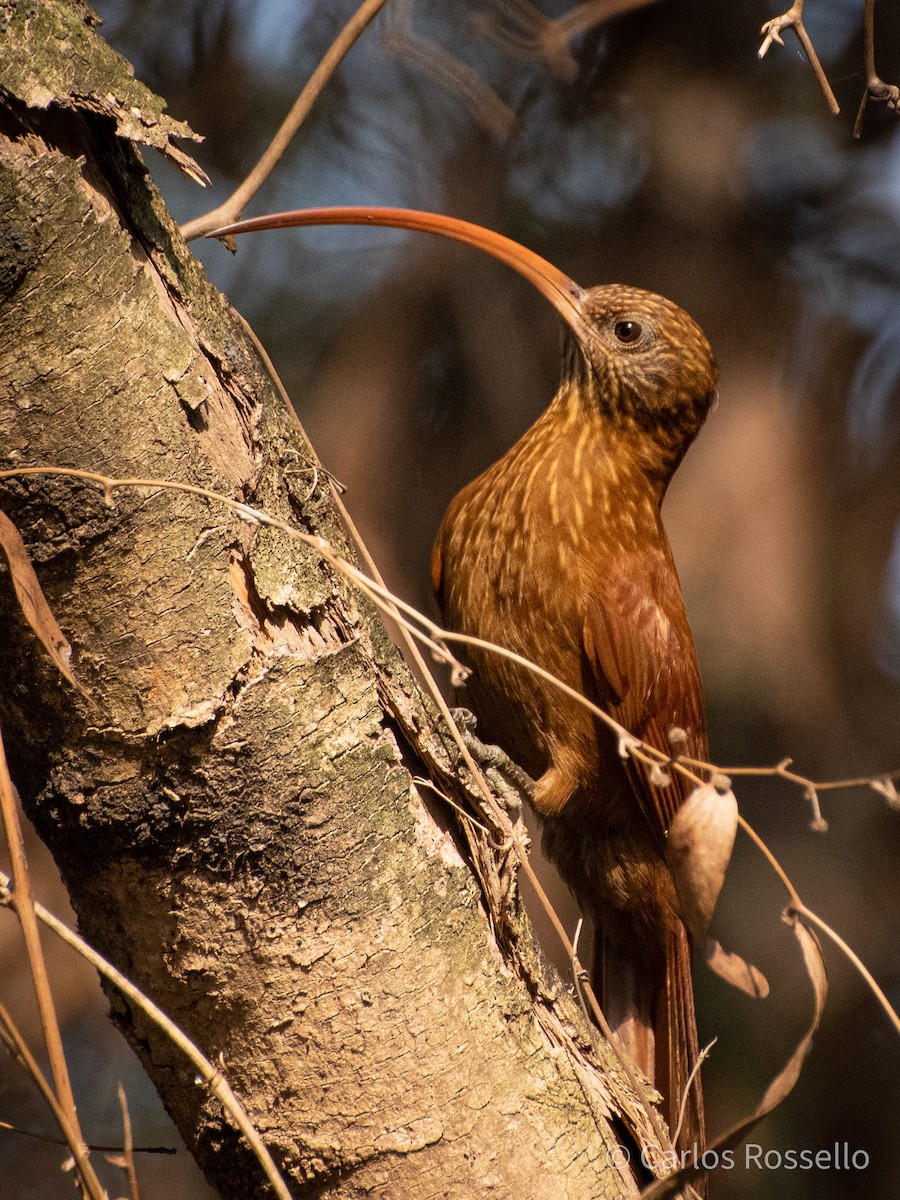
(628, 331)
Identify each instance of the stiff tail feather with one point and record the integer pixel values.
(650, 1007)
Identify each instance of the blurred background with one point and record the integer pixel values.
(653, 149)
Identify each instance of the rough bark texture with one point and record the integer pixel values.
(234, 817)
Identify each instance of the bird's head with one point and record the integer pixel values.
(642, 362)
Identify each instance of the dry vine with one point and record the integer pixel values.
(508, 838)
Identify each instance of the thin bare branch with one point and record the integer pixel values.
(404, 615)
(793, 19)
(127, 1157)
(772, 861)
(331, 60)
(510, 832)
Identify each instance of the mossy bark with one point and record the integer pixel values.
(234, 816)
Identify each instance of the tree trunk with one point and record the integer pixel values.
(234, 815)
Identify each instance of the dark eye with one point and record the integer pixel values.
(628, 331)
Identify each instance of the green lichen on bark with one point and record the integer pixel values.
(50, 54)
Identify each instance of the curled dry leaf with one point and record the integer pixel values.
(815, 969)
(783, 1082)
(32, 601)
(736, 970)
(701, 838)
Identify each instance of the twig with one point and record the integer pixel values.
(211, 1075)
(391, 612)
(435, 637)
(94, 1147)
(22, 902)
(772, 861)
(793, 19)
(701, 1059)
(331, 60)
(876, 89)
(126, 1160)
(421, 782)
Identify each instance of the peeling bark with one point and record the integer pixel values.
(234, 817)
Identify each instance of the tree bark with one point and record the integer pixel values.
(234, 815)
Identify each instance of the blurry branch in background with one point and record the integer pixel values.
(332, 59)
(524, 32)
(876, 90)
(519, 29)
(793, 19)
(400, 39)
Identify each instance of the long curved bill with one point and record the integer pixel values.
(563, 293)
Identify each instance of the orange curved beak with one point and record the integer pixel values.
(563, 293)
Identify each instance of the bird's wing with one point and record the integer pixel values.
(640, 654)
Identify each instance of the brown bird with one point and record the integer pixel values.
(558, 552)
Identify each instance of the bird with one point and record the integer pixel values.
(558, 553)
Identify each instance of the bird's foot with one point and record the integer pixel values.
(507, 779)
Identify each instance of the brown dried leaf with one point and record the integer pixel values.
(701, 838)
(783, 1082)
(32, 602)
(815, 969)
(736, 970)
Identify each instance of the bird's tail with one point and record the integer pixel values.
(677, 1049)
(650, 1006)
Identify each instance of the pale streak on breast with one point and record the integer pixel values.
(588, 481)
(554, 499)
(529, 483)
(584, 437)
(578, 514)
